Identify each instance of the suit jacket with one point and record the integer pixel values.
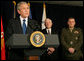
(14, 27)
(53, 56)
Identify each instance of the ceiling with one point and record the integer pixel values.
(69, 3)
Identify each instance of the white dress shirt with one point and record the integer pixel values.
(49, 30)
(26, 22)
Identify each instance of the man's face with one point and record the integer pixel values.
(24, 10)
(71, 23)
(48, 23)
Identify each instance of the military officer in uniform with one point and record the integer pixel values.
(71, 40)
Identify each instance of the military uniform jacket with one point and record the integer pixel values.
(72, 39)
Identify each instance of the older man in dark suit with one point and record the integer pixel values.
(51, 53)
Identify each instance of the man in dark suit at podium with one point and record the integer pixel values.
(51, 53)
(20, 25)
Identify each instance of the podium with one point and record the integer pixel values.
(23, 41)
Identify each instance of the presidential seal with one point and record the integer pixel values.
(37, 39)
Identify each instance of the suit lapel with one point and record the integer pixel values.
(45, 31)
(52, 31)
(19, 26)
(29, 30)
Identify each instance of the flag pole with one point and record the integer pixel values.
(14, 9)
(30, 15)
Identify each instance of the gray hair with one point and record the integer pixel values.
(18, 5)
(48, 19)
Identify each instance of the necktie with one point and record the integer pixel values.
(71, 30)
(48, 32)
(24, 26)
